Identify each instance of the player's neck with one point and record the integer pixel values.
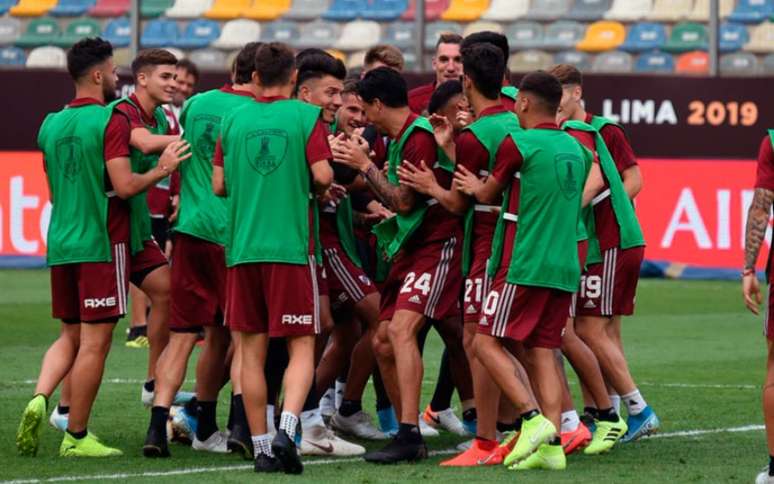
(147, 103)
(248, 87)
(538, 119)
(580, 114)
(277, 91)
(395, 120)
(481, 103)
(93, 92)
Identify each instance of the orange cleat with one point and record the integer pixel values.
(477, 455)
(577, 439)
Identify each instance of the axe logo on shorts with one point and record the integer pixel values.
(99, 302)
(300, 319)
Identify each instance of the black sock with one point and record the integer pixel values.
(771, 465)
(517, 424)
(607, 415)
(230, 423)
(469, 415)
(205, 416)
(591, 411)
(382, 399)
(240, 417)
(62, 409)
(531, 414)
(349, 408)
(159, 417)
(150, 386)
(190, 406)
(444, 387)
(409, 433)
(78, 435)
(555, 441)
(503, 427)
(312, 400)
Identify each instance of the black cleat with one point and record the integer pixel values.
(239, 441)
(285, 451)
(398, 450)
(155, 444)
(266, 464)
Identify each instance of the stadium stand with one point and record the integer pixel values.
(465, 10)
(670, 10)
(579, 59)
(645, 36)
(738, 64)
(358, 35)
(198, 34)
(71, 8)
(506, 10)
(435, 29)
(687, 36)
(768, 64)
(118, 32)
(525, 35)
(752, 11)
(761, 38)
(159, 33)
(481, 26)
(236, 33)
(154, 8)
(5, 5)
(306, 9)
(267, 9)
(110, 8)
(189, 8)
(319, 34)
(655, 63)
(384, 10)
(10, 30)
(12, 57)
(692, 63)
(563, 34)
(614, 62)
(209, 59)
(433, 10)
(279, 32)
(732, 37)
(629, 10)
(40, 31)
(77, 30)
(399, 34)
(588, 9)
(344, 10)
(227, 9)
(47, 57)
(32, 8)
(602, 36)
(548, 9)
(529, 60)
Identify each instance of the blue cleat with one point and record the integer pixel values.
(181, 398)
(59, 420)
(470, 426)
(183, 423)
(388, 423)
(642, 424)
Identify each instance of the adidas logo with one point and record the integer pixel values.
(415, 299)
(589, 304)
(484, 321)
(471, 309)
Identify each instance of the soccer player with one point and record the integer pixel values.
(199, 277)
(508, 92)
(532, 288)
(383, 55)
(757, 224)
(447, 66)
(89, 174)
(423, 242)
(273, 153)
(186, 79)
(609, 285)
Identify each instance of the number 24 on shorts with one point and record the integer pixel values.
(411, 282)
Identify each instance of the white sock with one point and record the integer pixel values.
(615, 401)
(311, 418)
(635, 404)
(340, 387)
(262, 445)
(288, 423)
(570, 421)
(270, 419)
(329, 395)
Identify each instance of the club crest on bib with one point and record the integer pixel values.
(69, 152)
(205, 135)
(266, 149)
(565, 166)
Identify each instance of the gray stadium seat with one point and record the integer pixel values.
(399, 34)
(306, 9)
(524, 35)
(10, 30)
(768, 65)
(530, 60)
(320, 34)
(435, 29)
(547, 9)
(581, 60)
(588, 9)
(615, 62)
(563, 34)
(47, 57)
(238, 32)
(739, 64)
(280, 32)
(209, 59)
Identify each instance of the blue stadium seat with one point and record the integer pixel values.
(71, 8)
(12, 57)
(117, 32)
(5, 5)
(199, 34)
(752, 11)
(581, 60)
(655, 63)
(384, 10)
(732, 37)
(645, 36)
(345, 10)
(159, 33)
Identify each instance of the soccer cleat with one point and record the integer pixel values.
(463, 446)
(138, 342)
(357, 425)
(644, 423)
(548, 457)
(183, 425)
(181, 398)
(28, 435)
(239, 441)
(572, 441)
(59, 420)
(398, 451)
(155, 444)
(426, 430)
(320, 440)
(216, 443)
(266, 464)
(327, 405)
(535, 431)
(508, 442)
(589, 420)
(444, 419)
(285, 451)
(475, 456)
(605, 436)
(470, 426)
(388, 422)
(88, 446)
(764, 477)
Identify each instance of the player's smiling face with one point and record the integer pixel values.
(324, 92)
(351, 114)
(447, 62)
(160, 83)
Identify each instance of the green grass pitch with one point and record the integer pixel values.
(698, 356)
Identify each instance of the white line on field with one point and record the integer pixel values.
(117, 381)
(202, 470)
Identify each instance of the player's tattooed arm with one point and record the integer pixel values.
(757, 223)
(400, 198)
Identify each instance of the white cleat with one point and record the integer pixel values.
(327, 407)
(216, 443)
(357, 425)
(319, 440)
(59, 420)
(764, 477)
(426, 430)
(445, 419)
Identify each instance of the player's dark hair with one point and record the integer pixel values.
(151, 58)
(388, 55)
(443, 94)
(316, 65)
(274, 63)
(567, 74)
(448, 38)
(384, 84)
(85, 54)
(244, 63)
(545, 87)
(498, 40)
(350, 87)
(484, 64)
(188, 66)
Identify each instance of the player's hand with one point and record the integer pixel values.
(175, 153)
(175, 201)
(378, 211)
(466, 181)
(442, 130)
(752, 293)
(361, 143)
(464, 118)
(335, 140)
(333, 195)
(419, 178)
(349, 153)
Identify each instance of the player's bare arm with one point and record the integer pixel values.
(148, 143)
(594, 184)
(322, 176)
(632, 181)
(218, 181)
(422, 179)
(485, 191)
(757, 223)
(126, 183)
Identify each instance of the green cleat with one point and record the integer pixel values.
(535, 431)
(28, 435)
(605, 436)
(548, 457)
(88, 446)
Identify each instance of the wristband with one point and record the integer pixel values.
(748, 272)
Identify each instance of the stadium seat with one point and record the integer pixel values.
(5, 5)
(629, 10)
(465, 10)
(435, 29)
(655, 63)
(11, 57)
(355, 60)
(529, 60)
(750, 11)
(118, 32)
(159, 33)
(154, 8)
(581, 60)
(506, 10)
(358, 35)
(670, 10)
(384, 10)
(31, 8)
(71, 8)
(236, 33)
(179, 54)
(645, 36)
(77, 30)
(524, 35)
(319, 34)
(687, 36)
(768, 65)
(399, 34)
(588, 10)
(280, 32)
(110, 8)
(482, 26)
(761, 38)
(10, 30)
(227, 9)
(306, 9)
(739, 64)
(564, 34)
(189, 8)
(40, 31)
(547, 9)
(344, 10)
(732, 37)
(122, 57)
(47, 57)
(433, 10)
(693, 63)
(209, 59)
(198, 34)
(337, 54)
(410, 63)
(614, 62)
(701, 10)
(601, 36)
(267, 9)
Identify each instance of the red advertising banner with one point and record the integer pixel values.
(24, 204)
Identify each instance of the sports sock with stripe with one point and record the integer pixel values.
(635, 404)
(262, 445)
(615, 401)
(288, 423)
(570, 421)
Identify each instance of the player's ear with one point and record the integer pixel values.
(97, 77)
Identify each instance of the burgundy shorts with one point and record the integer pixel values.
(322, 281)
(347, 283)
(279, 299)
(427, 280)
(583, 252)
(609, 288)
(476, 288)
(198, 280)
(146, 261)
(768, 321)
(91, 291)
